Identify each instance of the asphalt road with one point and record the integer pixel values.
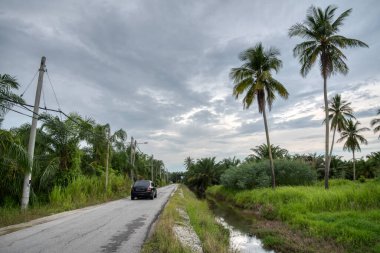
(117, 226)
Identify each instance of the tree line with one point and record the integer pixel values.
(254, 170)
(65, 149)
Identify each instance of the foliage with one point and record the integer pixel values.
(257, 174)
(262, 152)
(375, 123)
(7, 98)
(202, 174)
(323, 44)
(352, 137)
(254, 78)
(213, 237)
(14, 163)
(83, 190)
(66, 152)
(347, 213)
(245, 177)
(339, 111)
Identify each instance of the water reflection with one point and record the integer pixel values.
(242, 242)
(241, 239)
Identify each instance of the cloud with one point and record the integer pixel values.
(160, 70)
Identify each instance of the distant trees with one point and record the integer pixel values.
(353, 139)
(339, 111)
(254, 79)
(262, 152)
(323, 44)
(206, 172)
(65, 151)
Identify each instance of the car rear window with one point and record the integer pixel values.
(142, 183)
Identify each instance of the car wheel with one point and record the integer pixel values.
(155, 195)
(152, 196)
(132, 197)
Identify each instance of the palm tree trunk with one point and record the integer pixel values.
(269, 149)
(331, 149)
(327, 160)
(353, 161)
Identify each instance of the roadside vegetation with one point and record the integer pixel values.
(348, 214)
(213, 237)
(82, 191)
(77, 162)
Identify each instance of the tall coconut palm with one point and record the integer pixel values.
(339, 111)
(376, 123)
(323, 44)
(351, 134)
(7, 98)
(254, 78)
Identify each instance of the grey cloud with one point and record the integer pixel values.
(136, 64)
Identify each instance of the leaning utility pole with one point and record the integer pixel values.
(32, 137)
(108, 151)
(152, 167)
(132, 160)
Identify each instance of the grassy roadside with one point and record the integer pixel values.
(213, 237)
(82, 192)
(347, 216)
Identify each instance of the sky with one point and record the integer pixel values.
(160, 70)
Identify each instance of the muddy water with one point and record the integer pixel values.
(241, 239)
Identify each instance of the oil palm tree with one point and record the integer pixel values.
(7, 98)
(254, 78)
(353, 139)
(376, 123)
(14, 162)
(323, 44)
(262, 152)
(339, 111)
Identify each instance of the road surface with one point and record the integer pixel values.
(117, 226)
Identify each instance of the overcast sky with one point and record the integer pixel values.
(160, 70)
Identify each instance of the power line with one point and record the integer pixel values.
(10, 109)
(55, 95)
(27, 87)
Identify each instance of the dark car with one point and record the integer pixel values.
(143, 189)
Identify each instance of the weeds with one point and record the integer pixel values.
(214, 237)
(348, 213)
(82, 191)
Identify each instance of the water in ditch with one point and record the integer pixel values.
(241, 239)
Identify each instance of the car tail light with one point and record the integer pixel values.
(149, 189)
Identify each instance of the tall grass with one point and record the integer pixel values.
(349, 212)
(82, 191)
(214, 237)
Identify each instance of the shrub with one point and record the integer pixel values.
(258, 174)
(245, 177)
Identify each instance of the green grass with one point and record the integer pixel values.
(83, 191)
(214, 237)
(348, 213)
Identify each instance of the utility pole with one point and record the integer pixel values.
(32, 137)
(132, 160)
(152, 167)
(108, 152)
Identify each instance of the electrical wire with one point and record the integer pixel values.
(52, 87)
(27, 87)
(10, 109)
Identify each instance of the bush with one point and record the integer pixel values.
(258, 174)
(245, 176)
(83, 190)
